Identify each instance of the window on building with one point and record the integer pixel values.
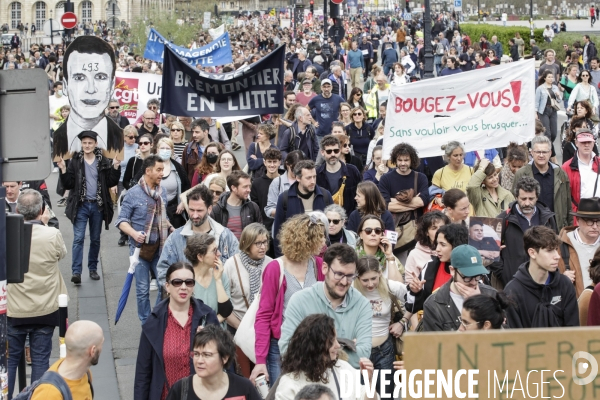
(40, 14)
(231, 5)
(86, 12)
(15, 14)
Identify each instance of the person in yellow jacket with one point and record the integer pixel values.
(377, 95)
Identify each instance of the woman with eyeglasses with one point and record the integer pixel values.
(313, 356)
(177, 135)
(167, 336)
(174, 181)
(336, 218)
(344, 115)
(213, 356)
(208, 163)
(346, 153)
(226, 163)
(355, 99)
(212, 286)
(360, 133)
(482, 312)
(133, 171)
(387, 302)
(584, 90)
(244, 271)
(297, 269)
(374, 242)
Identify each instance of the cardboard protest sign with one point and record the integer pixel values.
(483, 109)
(217, 52)
(89, 80)
(254, 89)
(525, 363)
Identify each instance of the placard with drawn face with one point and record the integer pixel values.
(89, 80)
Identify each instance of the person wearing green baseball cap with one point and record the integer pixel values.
(442, 310)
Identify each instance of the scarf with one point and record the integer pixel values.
(83, 183)
(254, 268)
(507, 177)
(379, 255)
(156, 209)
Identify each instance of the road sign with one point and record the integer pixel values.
(337, 1)
(69, 20)
(457, 5)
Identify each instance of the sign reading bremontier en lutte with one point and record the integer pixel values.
(482, 109)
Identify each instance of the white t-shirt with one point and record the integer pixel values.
(381, 307)
(457, 299)
(55, 104)
(588, 180)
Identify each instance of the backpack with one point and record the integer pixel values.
(439, 49)
(54, 379)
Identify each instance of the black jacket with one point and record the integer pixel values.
(75, 175)
(431, 270)
(133, 172)
(514, 254)
(114, 138)
(541, 306)
(150, 367)
(353, 178)
(440, 312)
(249, 212)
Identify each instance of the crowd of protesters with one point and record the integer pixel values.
(285, 270)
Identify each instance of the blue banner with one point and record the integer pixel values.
(217, 52)
(255, 89)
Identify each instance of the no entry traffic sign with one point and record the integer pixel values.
(68, 20)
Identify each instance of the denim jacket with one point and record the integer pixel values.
(175, 244)
(541, 97)
(135, 208)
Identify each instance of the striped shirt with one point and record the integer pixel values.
(178, 147)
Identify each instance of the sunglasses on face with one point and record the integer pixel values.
(357, 114)
(346, 145)
(334, 221)
(154, 108)
(217, 193)
(336, 151)
(368, 231)
(113, 108)
(179, 282)
(176, 130)
(145, 143)
(130, 137)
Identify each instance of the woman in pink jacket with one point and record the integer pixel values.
(298, 269)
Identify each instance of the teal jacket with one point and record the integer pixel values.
(351, 322)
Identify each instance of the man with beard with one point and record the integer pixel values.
(339, 178)
(487, 246)
(84, 340)
(200, 202)
(115, 115)
(337, 298)
(143, 218)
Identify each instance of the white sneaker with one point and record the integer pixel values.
(153, 285)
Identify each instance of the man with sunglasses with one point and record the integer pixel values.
(339, 178)
(441, 311)
(114, 114)
(337, 298)
(152, 105)
(579, 244)
(541, 296)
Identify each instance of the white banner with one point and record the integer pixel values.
(215, 33)
(133, 90)
(482, 109)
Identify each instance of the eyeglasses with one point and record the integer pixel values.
(153, 108)
(541, 153)
(368, 231)
(217, 193)
(130, 137)
(466, 326)
(261, 244)
(179, 282)
(338, 276)
(590, 222)
(215, 251)
(334, 221)
(113, 108)
(336, 151)
(468, 279)
(145, 143)
(204, 355)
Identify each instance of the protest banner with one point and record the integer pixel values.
(217, 31)
(216, 53)
(521, 363)
(482, 109)
(254, 89)
(133, 90)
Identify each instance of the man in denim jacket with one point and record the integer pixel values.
(199, 201)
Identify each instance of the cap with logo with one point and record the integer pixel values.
(467, 260)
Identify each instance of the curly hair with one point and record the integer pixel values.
(528, 184)
(308, 349)
(291, 114)
(301, 226)
(405, 149)
(423, 227)
(268, 129)
(204, 168)
(514, 152)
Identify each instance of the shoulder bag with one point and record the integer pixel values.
(405, 226)
(245, 336)
(397, 310)
(553, 101)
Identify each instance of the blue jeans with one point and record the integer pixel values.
(383, 358)
(273, 361)
(40, 342)
(86, 212)
(142, 284)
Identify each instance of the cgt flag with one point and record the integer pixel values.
(255, 89)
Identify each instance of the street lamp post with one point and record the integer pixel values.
(531, 19)
(428, 50)
(478, 12)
